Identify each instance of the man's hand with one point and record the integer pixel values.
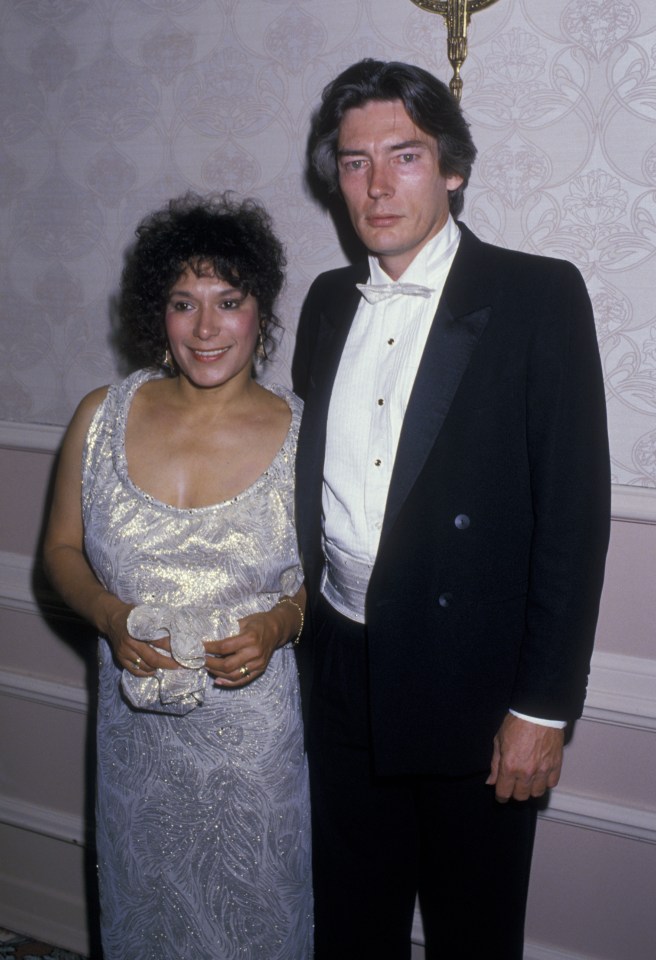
(526, 760)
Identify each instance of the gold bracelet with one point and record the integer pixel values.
(297, 638)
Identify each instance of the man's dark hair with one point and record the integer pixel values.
(428, 102)
(231, 239)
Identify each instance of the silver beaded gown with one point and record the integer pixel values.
(203, 832)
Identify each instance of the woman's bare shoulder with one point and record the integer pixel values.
(92, 401)
(86, 410)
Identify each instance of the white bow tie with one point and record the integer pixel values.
(375, 292)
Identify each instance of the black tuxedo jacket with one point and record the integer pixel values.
(486, 586)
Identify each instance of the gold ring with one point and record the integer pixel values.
(137, 662)
(245, 672)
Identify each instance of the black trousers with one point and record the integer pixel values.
(380, 841)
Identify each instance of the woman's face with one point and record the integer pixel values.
(212, 329)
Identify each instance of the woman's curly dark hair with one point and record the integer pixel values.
(234, 239)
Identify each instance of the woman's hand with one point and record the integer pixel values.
(65, 560)
(137, 656)
(237, 661)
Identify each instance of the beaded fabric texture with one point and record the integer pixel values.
(203, 829)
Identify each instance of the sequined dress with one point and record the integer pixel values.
(203, 833)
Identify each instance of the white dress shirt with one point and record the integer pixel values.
(370, 395)
(369, 399)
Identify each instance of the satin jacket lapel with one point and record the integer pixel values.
(331, 337)
(449, 346)
(333, 326)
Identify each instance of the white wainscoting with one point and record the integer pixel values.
(532, 951)
(621, 691)
(36, 818)
(577, 810)
(637, 504)
(53, 913)
(35, 437)
(574, 809)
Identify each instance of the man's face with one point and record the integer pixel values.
(390, 179)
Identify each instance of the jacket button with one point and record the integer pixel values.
(462, 521)
(445, 599)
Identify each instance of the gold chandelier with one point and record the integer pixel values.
(457, 14)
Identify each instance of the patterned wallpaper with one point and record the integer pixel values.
(109, 107)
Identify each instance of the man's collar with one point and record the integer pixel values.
(438, 249)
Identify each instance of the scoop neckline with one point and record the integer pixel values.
(121, 461)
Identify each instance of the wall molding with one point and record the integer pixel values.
(48, 693)
(30, 437)
(16, 591)
(55, 824)
(53, 915)
(586, 813)
(621, 691)
(578, 810)
(17, 587)
(601, 816)
(536, 951)
(632, 504)
(574, 810)
(532, 951)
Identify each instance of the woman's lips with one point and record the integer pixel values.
(206, 356)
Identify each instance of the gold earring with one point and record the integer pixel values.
(260, 350)
(167, 363)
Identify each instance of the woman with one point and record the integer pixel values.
(179, 547)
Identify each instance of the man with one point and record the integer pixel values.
(452, 512)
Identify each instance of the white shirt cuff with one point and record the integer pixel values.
(558, 724)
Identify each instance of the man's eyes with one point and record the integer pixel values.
(358, 163)
(354, 164)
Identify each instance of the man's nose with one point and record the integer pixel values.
(379, 182)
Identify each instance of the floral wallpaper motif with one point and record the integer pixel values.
(110, 107)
